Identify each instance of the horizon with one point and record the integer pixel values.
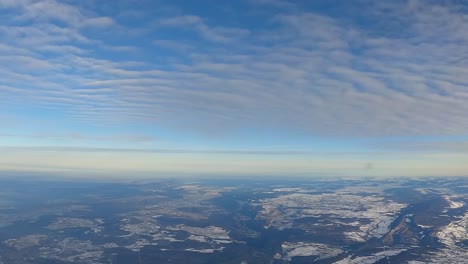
(253, 88)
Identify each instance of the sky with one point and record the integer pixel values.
(128, 88)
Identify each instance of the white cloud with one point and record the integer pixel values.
(135, 138)
(274, 3)
(306, 72)
(49, 10)
(215, 34)
(100, 22)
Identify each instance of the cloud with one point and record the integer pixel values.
(100, 22)
(215, 34)
(173, 45)
(320, 74)
(48, 10)
(167, 151)
(51, 11)
(439, 145)
(84, 137)
(274, 3)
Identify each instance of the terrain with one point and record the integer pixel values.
(308, 220)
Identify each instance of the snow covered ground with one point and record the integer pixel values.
(371, 258)
(368, 215)
(455, 232)
(322, 251)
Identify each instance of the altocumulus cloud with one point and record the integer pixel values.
(395, 68)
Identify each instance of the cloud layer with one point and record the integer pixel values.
(405, 74)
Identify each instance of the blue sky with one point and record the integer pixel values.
(249, 87)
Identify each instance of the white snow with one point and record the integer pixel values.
(454, 232)
(370, 215)
(370, 259)
(453, 204)
(297, 249)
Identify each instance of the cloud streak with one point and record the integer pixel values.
(322, 75)
(84, 137)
